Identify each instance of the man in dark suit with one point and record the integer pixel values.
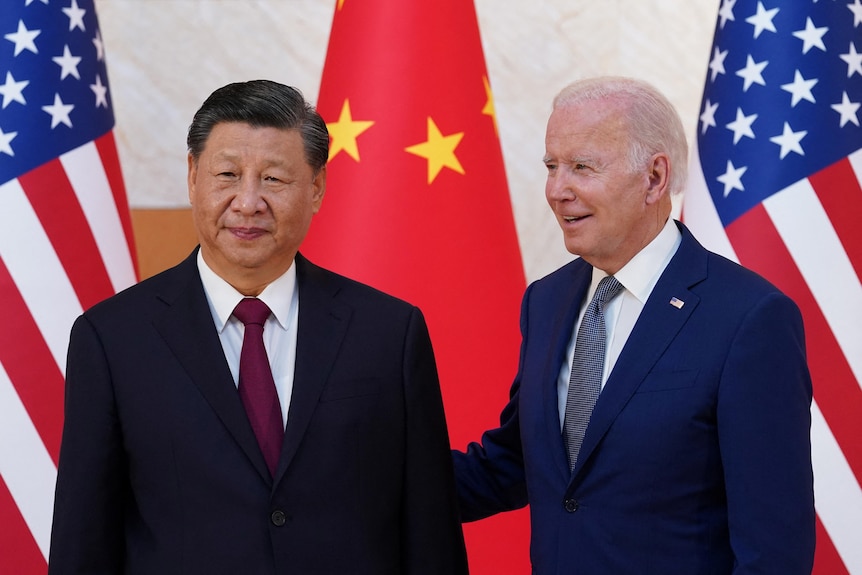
(162, 471)
(695, 456)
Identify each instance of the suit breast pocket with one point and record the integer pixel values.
(349, 388)
(668, 380)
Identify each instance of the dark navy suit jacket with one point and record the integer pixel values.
(160, 472)
(697, 457)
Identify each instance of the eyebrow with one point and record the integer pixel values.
(226, 155)
(231, 156)
(571, 160)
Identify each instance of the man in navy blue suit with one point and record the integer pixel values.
(695, 458)
(161, 469)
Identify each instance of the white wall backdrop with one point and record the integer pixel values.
(165, 56)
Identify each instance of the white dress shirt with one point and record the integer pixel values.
(279, 331)
(638, 277)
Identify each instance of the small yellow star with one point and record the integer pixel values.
(340, 4)
(439, 150)
(489, 109)
(344, 133)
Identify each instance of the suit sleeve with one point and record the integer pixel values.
(92, 484)
(490, 475)
(433, 540)
(764, 435)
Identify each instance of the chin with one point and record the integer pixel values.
(574, 247)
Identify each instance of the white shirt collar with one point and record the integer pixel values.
(223, 297)
(642, 272)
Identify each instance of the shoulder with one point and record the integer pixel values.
(562, 279)
(311, 277)
(737, 280)
(371, 314)
(724, 285)
(724, 269)
(716, 271)
(154, 291)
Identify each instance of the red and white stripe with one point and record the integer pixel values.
(807, 241)
(65, 244)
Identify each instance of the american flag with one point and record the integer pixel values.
(65, 243)
(775, 185)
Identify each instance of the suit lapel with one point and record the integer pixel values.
(654, 331)
(187, 327)
(322, 325)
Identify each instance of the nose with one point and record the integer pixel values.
(558, 186)
(249, 198)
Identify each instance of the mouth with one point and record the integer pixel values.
(247, 233)
(570, 219)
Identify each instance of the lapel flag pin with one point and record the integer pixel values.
(677, 303)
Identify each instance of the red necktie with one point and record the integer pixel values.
(256, 386)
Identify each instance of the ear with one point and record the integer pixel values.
(192, 175)
(318, 189)
(657, 174)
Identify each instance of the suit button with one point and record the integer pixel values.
(571, 505)
(277, 518)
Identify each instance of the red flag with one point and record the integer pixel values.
(65, 243)
(417, 205)
(776, 186)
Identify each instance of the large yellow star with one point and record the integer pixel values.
(344, 133)
(439, 150)
(489, 109)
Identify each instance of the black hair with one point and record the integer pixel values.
(262, 104)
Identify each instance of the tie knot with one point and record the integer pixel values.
(608, 288)
(251, 310)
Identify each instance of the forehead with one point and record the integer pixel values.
(239, 138)
(591, 124)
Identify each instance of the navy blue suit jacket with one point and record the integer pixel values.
(160, 472)
(697, 457)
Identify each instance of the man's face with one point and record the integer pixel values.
(601, 204)
(253, 195)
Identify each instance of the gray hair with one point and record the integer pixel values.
(262, 104)
(653, 123)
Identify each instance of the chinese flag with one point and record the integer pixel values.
(417, 205)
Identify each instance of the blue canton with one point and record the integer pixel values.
(54, 93)
(782, 97)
